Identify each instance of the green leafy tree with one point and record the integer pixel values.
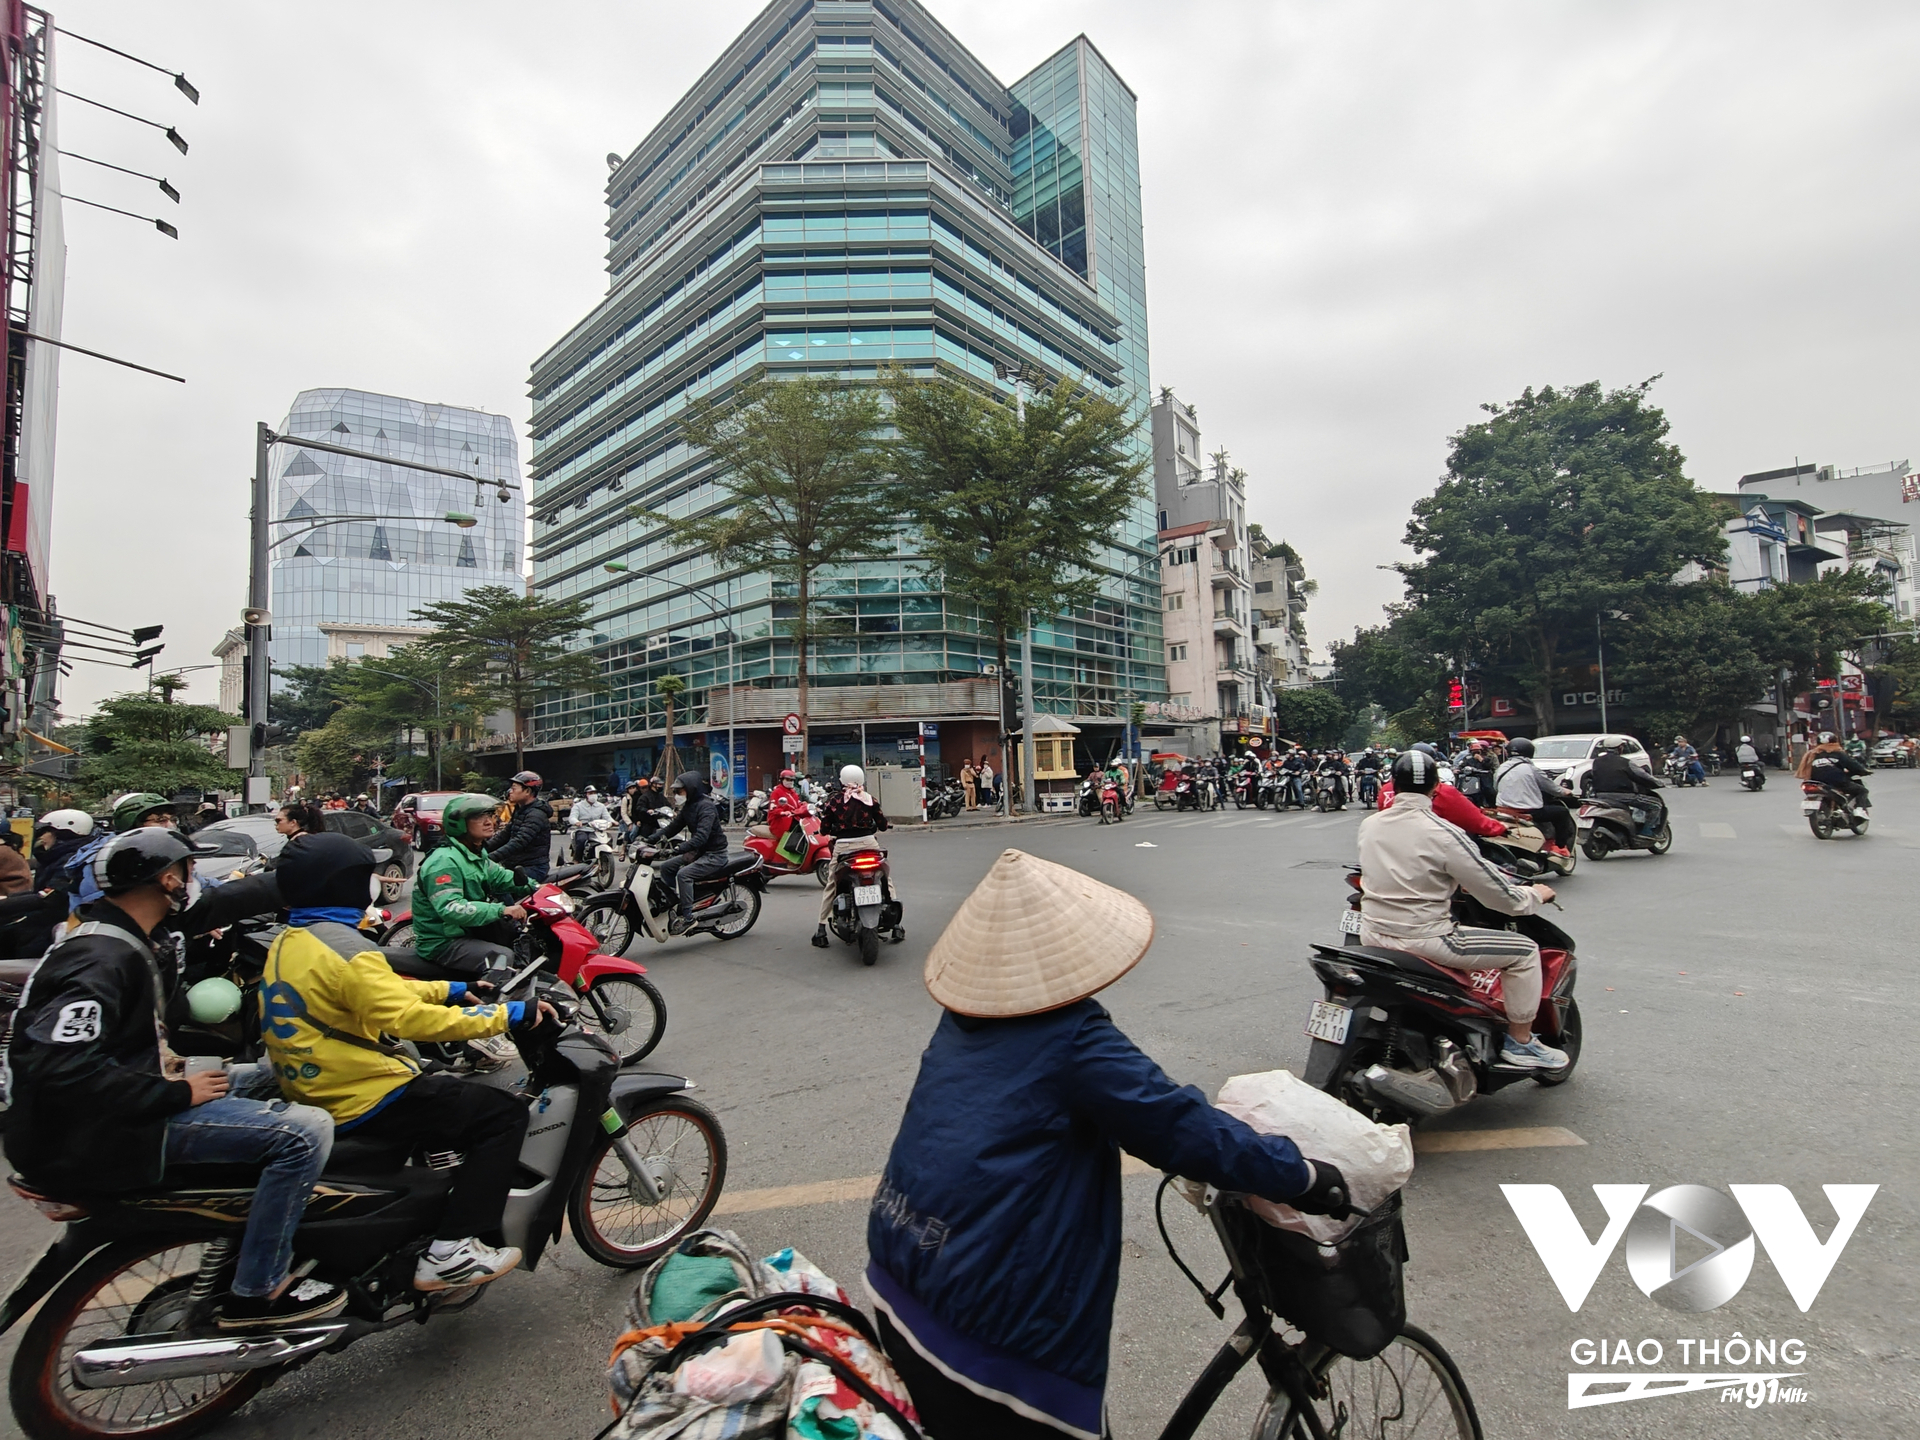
(138, 742)
(1392, 666)
(669, 688)
(1562, 504)
(341, 754)
(310, 696)
(1310, 716)
(404, 691)
(1808, 627)
(1012, 515)
(798, 473)
(505, 648)
(1690, 657)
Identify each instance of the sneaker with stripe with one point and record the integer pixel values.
(452, 1264)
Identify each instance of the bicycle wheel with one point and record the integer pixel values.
(1412, 1390)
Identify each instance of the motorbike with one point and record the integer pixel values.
(757, 804)
(1368, 784)
(1679, 772)
(1607, 823)
(864, 904)
(1112, 804)
(617, 999)
(1246, 789)
(1329, 790)
(815, 860)
(1524, 834)
(596, 846)
(725, 906)
(1086, 799)
(945, 800)
(1829, 809)
(1403, 1039)
(126, 1343)
(1753, 776)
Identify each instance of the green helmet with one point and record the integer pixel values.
(131, 809)
(462, 808)
(214, 1000)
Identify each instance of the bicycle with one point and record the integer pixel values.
(1408, 1387)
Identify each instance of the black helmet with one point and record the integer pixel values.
(1416, 773)
(1520, 745)
(139, 857)
(528, 778)
(327, 870)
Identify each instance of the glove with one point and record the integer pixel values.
(1327, 1195)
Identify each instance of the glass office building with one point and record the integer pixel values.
(846, 188)
(342, 588)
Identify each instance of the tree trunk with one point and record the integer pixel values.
(1008, 771)
(669, 761)
(1544, 715)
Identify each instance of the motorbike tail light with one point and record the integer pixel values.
(1353, 879)
(866, 860)
(1807, 787)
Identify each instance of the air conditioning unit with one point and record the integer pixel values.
(989, 669)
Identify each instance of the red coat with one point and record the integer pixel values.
(1453, 807)
(783, 805)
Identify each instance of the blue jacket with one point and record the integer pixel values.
(995, 1234)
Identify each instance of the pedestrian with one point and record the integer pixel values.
(970, 782)
(989, 782)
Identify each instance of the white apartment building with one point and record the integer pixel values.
(1214, 684)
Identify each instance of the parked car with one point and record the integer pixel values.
(1570, 757)
(1895, 752)
(245, 836)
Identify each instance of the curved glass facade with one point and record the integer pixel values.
(377, 573)
(849, 189)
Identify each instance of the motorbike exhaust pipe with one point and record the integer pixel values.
(138, 1361)
(1420, 1092)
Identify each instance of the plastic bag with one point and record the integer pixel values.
(1375, 1159)
(747, 1366)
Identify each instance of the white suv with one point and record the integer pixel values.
(1570, 757)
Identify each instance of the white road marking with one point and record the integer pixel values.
(1323, 824)
(1714, 830)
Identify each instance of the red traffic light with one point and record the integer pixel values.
(1456, 695)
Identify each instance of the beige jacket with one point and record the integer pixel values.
(1411, 862)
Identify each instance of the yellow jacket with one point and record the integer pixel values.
(327, 977)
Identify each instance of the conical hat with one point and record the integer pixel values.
(1035, 936)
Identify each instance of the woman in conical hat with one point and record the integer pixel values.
(995, 1236)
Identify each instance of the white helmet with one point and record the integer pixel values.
(73, 822)
(1746, 739)
(852, 776)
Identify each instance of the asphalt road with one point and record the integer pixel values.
(1747, 1001)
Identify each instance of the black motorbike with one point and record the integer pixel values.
(1403, 1039)
(864, 904)
(1753, 775)
(125, 1342)
(1829, 808)
(1368, 784)
(1330, 790)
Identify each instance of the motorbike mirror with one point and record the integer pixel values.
(519, 874)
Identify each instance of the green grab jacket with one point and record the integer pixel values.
(453, 895)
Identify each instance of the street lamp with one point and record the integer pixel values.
(619, 567)
(258, 614)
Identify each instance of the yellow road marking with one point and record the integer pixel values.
(1523, 1137)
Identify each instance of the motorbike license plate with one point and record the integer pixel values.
(866, 894)
(1809, 807)
(1350, 921)
(1585, 822)
(1329, 1022)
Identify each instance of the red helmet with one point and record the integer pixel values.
(786, 775)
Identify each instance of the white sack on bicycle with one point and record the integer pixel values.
(1376, 1159)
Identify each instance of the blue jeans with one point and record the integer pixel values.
(252, 1125)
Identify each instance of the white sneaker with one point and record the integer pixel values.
(1534, 1055)
(464, 1262)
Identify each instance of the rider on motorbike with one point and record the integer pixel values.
(1744, 753)
(1614, 774)
(1411, 862)
(1519, 784)
(1334, 763)
(587, 809)
(1688, 759)
(852, 818)
(1448, 803)
(1830, 765)
(1293, 775)
(705, 854)
(327, 999)
(459, 921)
(138, 810)
(527, 842)
(1473, 774)
(99, 1104)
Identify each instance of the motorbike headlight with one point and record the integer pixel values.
(564, 902)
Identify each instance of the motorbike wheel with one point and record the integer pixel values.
(823, 871)
(1569, 1041)
(1109, 813)
(393, 879)
(627, 1012)
(734, 926)
(400, 937)
(1859, 824)
(607, 921)
(1161, 800)
(869, 946)
(1594, 848)
(1821, 822)
(136, 1287)
(685, 1152)
(603, 872)
(1663, 842)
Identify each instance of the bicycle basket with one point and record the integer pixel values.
(1348, 1296)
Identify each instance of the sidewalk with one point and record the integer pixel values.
(968, 820)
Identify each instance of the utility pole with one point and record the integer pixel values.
(258, 617)
(1600, 641)
(1026, 724)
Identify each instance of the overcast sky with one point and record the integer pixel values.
(1363, 220)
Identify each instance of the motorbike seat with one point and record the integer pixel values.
(408, 962)
(1406, 962)
(563, 873)
(740, 864)
(355, 1155)
(17, 972)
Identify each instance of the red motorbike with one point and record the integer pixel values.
(816, 860)
(617, 1000)
(1112, 807)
